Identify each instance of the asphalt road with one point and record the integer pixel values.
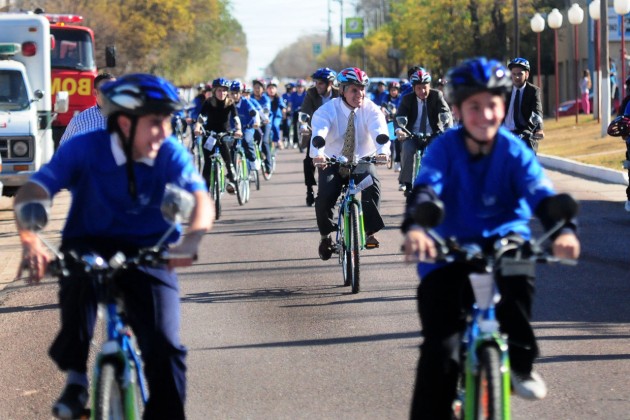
(272, 334)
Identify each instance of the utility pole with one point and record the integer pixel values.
(329, 34)
(516, 30)
(340, 28)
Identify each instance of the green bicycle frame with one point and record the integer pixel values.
(351, 198)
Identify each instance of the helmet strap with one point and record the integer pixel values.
(127, 145)
(485, 147)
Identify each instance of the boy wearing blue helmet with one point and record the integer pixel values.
(117, 179)
(490, 183)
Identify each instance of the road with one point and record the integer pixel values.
(272, 334)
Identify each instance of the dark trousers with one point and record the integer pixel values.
(226, 153)
(153, 313)
(444, 300)
(628, 159)
(294, 124)
(330, 183)
(309, 171)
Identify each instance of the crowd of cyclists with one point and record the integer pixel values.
(139, 110)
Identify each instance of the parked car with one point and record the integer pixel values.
(567, 108)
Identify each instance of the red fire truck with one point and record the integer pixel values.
(73, 65)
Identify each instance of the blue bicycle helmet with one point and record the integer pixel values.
(521, 62)
(140, 94)
(236, 86)
(353, 76)
(221, 82)
(324, 74)
(420, 76)
(477, 75)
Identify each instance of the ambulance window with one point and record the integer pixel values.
(13, 95)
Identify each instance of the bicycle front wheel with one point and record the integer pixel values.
(108, 401)
(354, 245)
(241, 182)
(216, 189)
(488, 396)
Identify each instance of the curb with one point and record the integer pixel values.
(584, 170)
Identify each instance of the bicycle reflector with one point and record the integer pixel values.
(620, 126)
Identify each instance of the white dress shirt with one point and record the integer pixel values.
(330, 122)
(509, 117)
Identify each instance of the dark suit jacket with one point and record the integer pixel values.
(530, 103)
(312, 101)
(436, 104)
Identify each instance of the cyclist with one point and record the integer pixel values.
(222, 115)
(490, 183)
(517, 117)
(316, 96)
(331, 121)
(261, 100)
(278, 111)
(286, 129)
(117, 179)
(92, 118)
(423, 110)
(295, 104)
(393, 98)
(249, 122)
(405, 85)
(379, 95)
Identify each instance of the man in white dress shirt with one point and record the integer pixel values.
(330, 122)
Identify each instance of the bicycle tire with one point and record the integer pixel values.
(488, 385)
(346, 266)
(354, 246)
(256, 179)
(216, 188)
(240, 181)
(108, 401)
(245, 177)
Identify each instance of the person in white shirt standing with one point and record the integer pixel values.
(92, 118)
(330, 122)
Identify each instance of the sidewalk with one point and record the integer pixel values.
(10, 250)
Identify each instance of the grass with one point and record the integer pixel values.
(582, 142)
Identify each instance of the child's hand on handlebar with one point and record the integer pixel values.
(566, 245)
(418, 246)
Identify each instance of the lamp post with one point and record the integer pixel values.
(554, 20)
(538, 25)
(576, 16)
(593, 11)
(622, 7)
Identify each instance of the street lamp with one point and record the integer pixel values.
(622, 7)
(554, 20)
(594, 12)
(576, 16)
(538, 25)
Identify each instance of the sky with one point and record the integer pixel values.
(271, 25)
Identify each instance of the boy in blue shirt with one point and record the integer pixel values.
(117, 178)
(490, 183)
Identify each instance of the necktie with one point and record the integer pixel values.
(348, 139)
(516, 110)
(423, 118)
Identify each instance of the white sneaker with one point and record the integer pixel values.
(401, 187)
(530, 387)
(627, 206)
(396, 166)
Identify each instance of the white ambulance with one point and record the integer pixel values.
(26, 112)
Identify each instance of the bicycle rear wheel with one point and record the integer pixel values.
(488, 396)
(346, 265)
(354, 247)
(108, 401)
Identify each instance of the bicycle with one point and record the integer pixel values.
(216, 178)
(241, 173)
(119, 388)
(350, 238)
(484, 384)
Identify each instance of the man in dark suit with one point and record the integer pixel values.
(316, 96)
(524, 101)
(427, 112)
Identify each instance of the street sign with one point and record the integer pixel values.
(354, 27)
(317, 48)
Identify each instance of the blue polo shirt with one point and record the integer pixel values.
(92, 168)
